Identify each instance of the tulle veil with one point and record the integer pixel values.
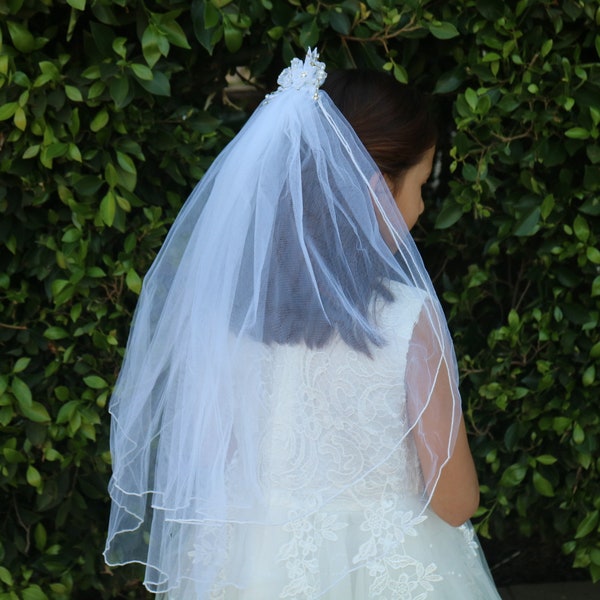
(292, 219)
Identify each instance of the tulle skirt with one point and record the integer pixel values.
(354, 555)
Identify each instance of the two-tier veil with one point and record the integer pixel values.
(289, 242)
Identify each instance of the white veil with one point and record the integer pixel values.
(280, 244)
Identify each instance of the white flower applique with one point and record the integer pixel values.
(393, 571)
(471, 542)
(469, 535)
(203, 552)
(302, 75)
(388, 527)
(300, 554)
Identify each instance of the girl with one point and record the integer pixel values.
(287, 422)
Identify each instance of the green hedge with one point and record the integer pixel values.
(110, 110)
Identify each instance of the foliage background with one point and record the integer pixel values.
(111, 110)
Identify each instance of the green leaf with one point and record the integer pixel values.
(513, 475)
(529, 224)
(66, 411)
(55, 333)
(119, 45)
(3, 384)
(88, 185)
(74, 153)
(142, 71)
(593, 255)
(108, 208)
(471, 98)
(40, 537)
(20, 119)
(591, 206)
(309, 34)
(22, 392)
(111, 175)
(100, 120)
(33, 477)
(589, 376)
(449, 81)
(442, 31)
(159, 86)
(96, 90)
(451, 212)
(542, 485)
(490, 57)
(21, 364)
(212, 15)
(577, 133)
(31, 152)
(150, 45)
(119, 90)
(340, 22)
(593, 153)
(175, 34)
(22, 39)
(547, 46)
(587, 525)
(208, 36)
(133, 281)
(95, 382)
(13, 456)
(509, 103)
(6, 577)
(33, 592)
(233, 36)
(73, 93)
(578, 434)
(78, 4)
(56, 150)
(36, 412)
(92, 72)
(400, 73)
(126, 163)
(7, 110)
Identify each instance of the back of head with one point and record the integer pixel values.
(391, 119)
(393, 123)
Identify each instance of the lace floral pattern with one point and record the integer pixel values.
(404, 577)
(390, 567)
(300, 553)
(387, 527)
(350, 421)
(392, 572)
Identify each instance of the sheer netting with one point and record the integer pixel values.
(287, 366)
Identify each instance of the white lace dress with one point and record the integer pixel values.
(332, 413)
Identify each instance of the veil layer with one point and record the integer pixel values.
(289, 247)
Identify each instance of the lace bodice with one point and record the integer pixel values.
(334, 418)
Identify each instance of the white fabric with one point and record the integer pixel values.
(370, 541)
(282, 364)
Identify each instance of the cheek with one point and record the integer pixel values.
(414, 201)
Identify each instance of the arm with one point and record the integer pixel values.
(456, 495)
(440, 434)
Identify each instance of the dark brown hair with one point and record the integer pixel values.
(393, 123)
(391, 119)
